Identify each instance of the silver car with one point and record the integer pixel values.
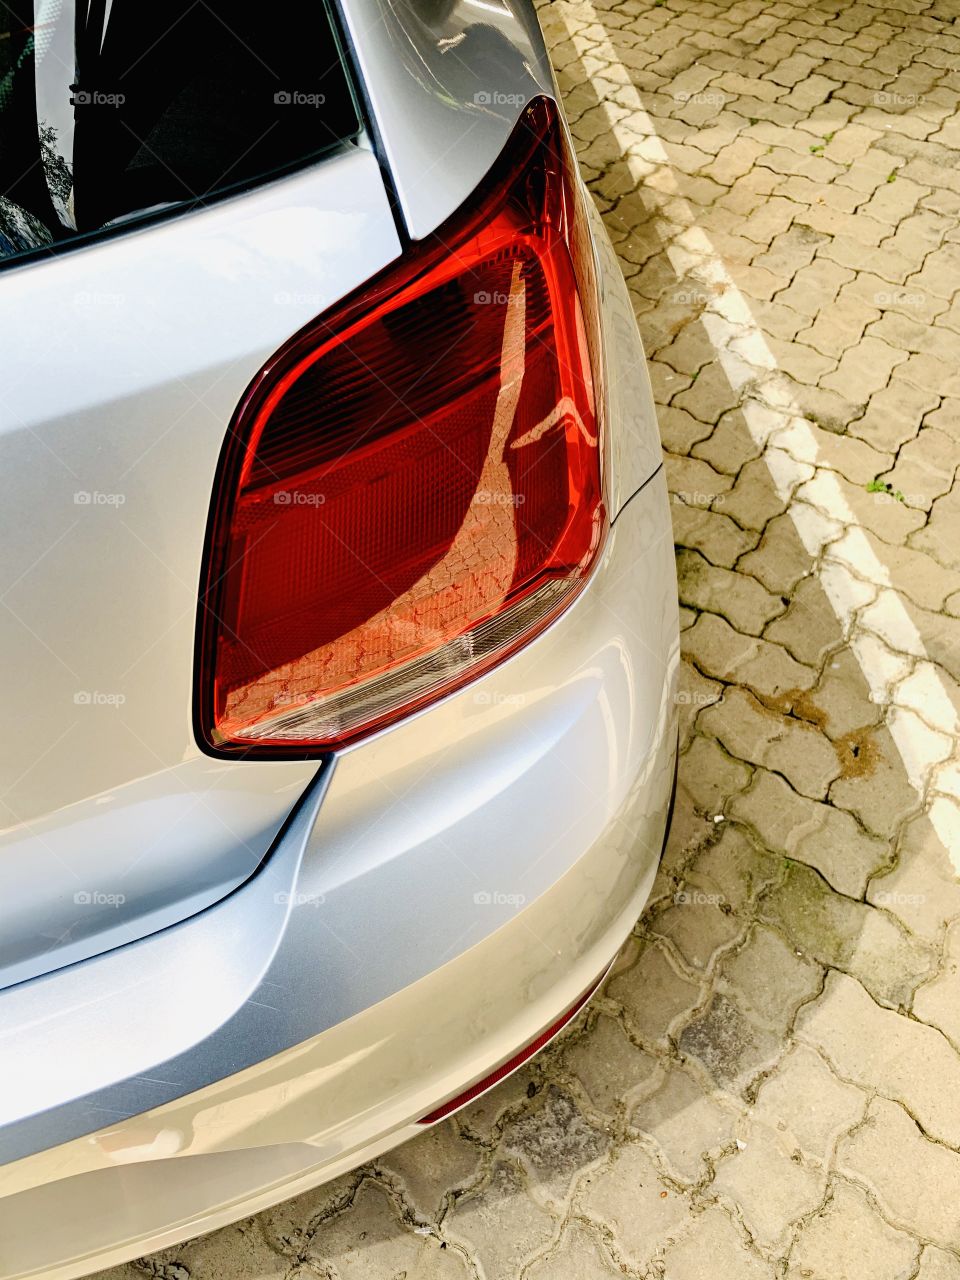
(338, 624)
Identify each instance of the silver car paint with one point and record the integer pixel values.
(446, 81)
(363, 921)
(112, 823)
(125, 361)
(421, 844)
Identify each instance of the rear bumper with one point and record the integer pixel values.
(445, 891)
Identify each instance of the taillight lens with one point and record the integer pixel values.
(411, 488)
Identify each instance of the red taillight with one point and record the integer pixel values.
(411, 487)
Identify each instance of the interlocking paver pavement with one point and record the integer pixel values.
(769, 1085)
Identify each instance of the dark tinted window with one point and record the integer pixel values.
(113, 108)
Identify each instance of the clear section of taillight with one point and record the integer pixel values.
(411, 488)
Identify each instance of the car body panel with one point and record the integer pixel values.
(106, 472)
(445, 82)
(374, 885)
(315, 1063)
(309, 955)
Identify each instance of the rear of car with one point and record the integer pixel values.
(339, 618)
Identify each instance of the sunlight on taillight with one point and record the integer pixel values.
(411, 488)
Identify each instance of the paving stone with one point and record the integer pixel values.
(755, 498)
(856, 460)
(940, 537)
(719, 538)
(925, 468)
(608, 1065)
(709, 396)
(940, 273)
(815, 286)
(709, 776)
(864, 369)
(807, 1105)
(238, 1252)
(809, 628)
(876, 1048)
(772, 1187)
(848, 251)
(695, 482)
(367, 1242)
(729, 1045)
(889, 520)
(630, 1197)
(766, 669)
(915, 1181)
(907, 628)
(697, 925)
(694, 692)
(818, 835)
(938, 1001)
(874, 786)
(555, 1141)
(894, 414)
(654, 995)
(780, 560)
(843, 704)
(932, 694)
(500, 1224)
(432, 1167)
(743, 600)
(688, 1126)
(937, 1264)
(578, 1254)
(911, 573)
(666, 382)
(690, 350)
(679, 431)
(732, 869)
(768, 979)
(728, 446)
(849, 1238)
(752, 732)
(923, 889)
(848, 935)
(714, 1247)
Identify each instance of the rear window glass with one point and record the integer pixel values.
(115, 109)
